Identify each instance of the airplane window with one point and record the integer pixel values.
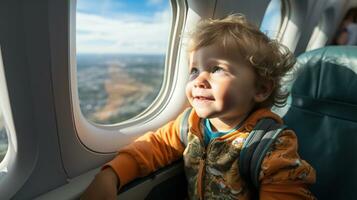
(3, 138)
(121, 47)
(272, 19)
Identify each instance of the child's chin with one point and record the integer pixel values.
(203, 114)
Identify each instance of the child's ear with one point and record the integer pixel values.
(263, 91)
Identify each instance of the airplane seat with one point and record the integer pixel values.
(322, 109)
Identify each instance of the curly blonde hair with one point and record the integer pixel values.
(270, 59)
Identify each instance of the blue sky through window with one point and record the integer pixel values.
(119, 26)
(272, 19)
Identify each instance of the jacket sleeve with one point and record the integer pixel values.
(148, 153)
(284, 175)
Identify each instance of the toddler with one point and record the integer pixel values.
(234, 79)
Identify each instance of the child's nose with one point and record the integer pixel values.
(201, 81)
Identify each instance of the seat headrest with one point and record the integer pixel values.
(327, 81)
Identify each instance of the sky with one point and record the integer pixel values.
(119, 26)
(136, 27)
(272, 19)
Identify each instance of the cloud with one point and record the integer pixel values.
(100, 7)
(125, 34)
(155, 2)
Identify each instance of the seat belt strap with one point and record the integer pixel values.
(184, 126)
(255, 148)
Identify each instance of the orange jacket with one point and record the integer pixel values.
(283, 174)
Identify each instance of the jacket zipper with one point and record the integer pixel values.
(201, 170)
(201, 174)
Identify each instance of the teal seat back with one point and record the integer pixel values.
(322, 109)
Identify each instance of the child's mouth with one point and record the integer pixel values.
(203, 98)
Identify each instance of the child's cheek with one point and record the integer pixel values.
(189, 91)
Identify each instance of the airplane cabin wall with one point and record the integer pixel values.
(253, 10)
(35, 166)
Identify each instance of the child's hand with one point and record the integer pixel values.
(104, 186)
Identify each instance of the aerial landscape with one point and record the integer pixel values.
(114, 88)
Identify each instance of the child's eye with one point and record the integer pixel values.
(216, 69)
(193, 71)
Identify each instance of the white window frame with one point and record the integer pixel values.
(9, 163)
(318, 37)
(290, 32)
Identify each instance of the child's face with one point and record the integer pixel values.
(220, 85)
